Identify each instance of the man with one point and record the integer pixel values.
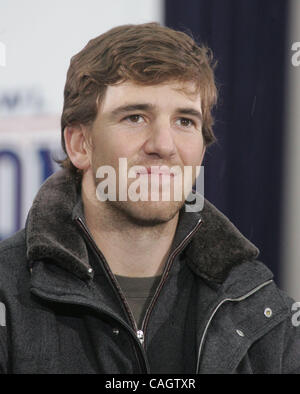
(138, 285)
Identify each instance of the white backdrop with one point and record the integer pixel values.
(41, 36)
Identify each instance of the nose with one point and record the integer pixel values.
(160, 141)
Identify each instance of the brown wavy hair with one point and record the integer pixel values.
(146, 54)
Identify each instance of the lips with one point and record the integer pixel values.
(155, 170)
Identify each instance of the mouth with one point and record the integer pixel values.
(156, 170)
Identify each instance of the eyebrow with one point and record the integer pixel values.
(150, 107)
(191, 112)
(132, 107)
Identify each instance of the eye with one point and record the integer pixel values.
(185, 122)
(135, 118)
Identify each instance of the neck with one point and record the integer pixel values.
(130, 248)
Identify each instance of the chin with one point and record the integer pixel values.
(146, 213)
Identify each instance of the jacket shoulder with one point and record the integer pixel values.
(12, 255)
(14, 240)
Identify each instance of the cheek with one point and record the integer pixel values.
(108, 150)
(191, 151)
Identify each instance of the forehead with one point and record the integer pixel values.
(167, 94)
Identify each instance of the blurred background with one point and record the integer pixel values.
(251, 173)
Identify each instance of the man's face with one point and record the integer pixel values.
(158, 125)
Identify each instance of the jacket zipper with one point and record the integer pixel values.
(241, 298)
(108, 270)
(138, 333)
(176, 251)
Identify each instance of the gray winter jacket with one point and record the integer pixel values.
(216, 309)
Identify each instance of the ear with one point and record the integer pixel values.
(77, 147)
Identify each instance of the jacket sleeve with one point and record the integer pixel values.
(3, 339)
(3, 350)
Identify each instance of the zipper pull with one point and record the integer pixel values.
(140, 335)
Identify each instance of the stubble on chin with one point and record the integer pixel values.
(143, 214)
(137, 213)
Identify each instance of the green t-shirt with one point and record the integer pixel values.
(139, 293)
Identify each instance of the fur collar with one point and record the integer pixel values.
(218, 246)
(51, 234)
